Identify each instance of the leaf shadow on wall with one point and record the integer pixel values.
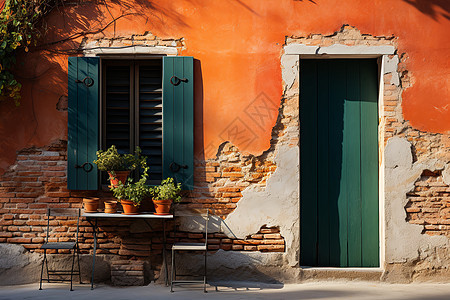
(432, 8)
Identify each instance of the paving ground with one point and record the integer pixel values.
(239, 290)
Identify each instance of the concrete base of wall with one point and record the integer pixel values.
(360, 274)
(19, 266)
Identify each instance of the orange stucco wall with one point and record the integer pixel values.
(239, 45)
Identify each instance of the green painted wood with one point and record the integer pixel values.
(323, 234)
(338, 121)
(188, 128)
(168, 116)
(352, 167)
(369, 163)
(178, 120)
(334, 136)
(338, 176)
(83, 118)
(72, 180)
(308, 163)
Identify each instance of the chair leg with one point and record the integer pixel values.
(172, 270)
(78, 260)
(42, 270)
(71, 270)
(46, 266)
(204, 278)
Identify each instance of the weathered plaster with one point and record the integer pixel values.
(276, 205)
(338, 49)
(289, 70)
(446, 174)
(390, 67)
(404, 241)
(136, 50)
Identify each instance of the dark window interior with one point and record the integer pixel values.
(132, 110)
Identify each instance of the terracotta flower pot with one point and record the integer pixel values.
(90, 204)
(110, 207)
(162, 207)
(129, 208)
(119, 176)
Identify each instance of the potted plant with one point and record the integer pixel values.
(165, 194)
(130, 194)
(118, 165)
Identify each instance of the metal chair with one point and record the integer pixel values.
(71, 246)
(180, 246)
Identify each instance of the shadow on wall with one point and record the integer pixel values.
(93, 18)
(432, 8)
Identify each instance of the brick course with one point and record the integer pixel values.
(429, 204)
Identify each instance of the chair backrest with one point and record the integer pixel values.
(192, 220)
(71, 213)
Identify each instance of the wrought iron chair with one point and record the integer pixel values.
(181, 246)
(70, 245)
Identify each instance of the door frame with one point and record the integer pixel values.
(298, 52)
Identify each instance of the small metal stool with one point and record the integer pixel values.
(190, 247)
(72, 245)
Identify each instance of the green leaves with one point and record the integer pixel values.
(133, 191)
(167, 190)
(17, 30)
(111, 160)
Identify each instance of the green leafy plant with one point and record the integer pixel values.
(133, 191)
(111, 160)
(19, 21)
(167, 190)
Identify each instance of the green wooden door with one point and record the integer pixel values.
(339, 163)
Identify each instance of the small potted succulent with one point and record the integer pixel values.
(130, 194)
(164, 194)
(118, 165)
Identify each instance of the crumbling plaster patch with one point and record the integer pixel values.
(276, 205)
(404, 241)
(446, 174)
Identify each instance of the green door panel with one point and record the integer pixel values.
(339, 163)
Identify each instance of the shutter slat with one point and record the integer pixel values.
(117, 107)
(150, 117)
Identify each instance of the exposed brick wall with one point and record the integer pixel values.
(265, 240)
(37, 181)
(219, 182)
(429, 204)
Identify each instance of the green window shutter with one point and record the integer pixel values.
(83, 120)
(178, 120)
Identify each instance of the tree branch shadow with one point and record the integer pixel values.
(432, 8)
